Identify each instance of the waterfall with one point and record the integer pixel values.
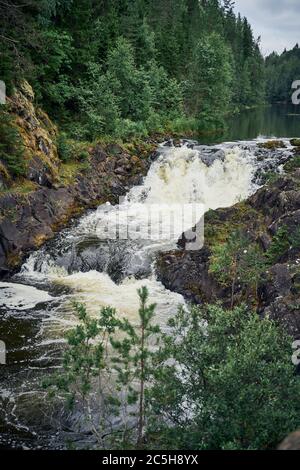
(86, 262)
(103, 271)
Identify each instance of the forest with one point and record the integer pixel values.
(282, 70)
(123, 67)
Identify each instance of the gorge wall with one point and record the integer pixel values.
(37, 206)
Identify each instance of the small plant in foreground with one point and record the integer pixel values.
(105, 369)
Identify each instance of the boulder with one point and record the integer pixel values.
(292, 442)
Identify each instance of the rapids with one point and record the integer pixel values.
(92, 263)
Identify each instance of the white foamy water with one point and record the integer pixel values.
(97, 289)
(21, 297)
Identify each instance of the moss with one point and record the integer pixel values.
(295, 142)
(69, 171)
(13, 260)
(272, 145)
(4, 172)
(292, 165)
(20, 186)
(39, 240)
(221, 223)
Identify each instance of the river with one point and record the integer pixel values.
(87, 263)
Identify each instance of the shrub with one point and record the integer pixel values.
(63, 148)
(11, 145)
(230, 384)
(238, 260)
(279, 246)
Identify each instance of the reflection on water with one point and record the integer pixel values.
(269, 121)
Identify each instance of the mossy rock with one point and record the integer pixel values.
(272, 145)
(295, 142)
(292, 164)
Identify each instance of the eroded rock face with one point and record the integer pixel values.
(38, 134)
(27, 220)
(274, 206)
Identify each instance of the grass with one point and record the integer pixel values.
(20, 187)
(69, 171)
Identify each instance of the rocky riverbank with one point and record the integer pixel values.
(33, 209)
(272, 215)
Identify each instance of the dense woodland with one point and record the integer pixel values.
(123, 67)
(282, 70)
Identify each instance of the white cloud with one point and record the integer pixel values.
(276, 21)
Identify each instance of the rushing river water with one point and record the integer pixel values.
(81, 263)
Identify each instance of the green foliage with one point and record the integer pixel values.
(279, 246)
(238, 260)
(282, 70)
(63, 148)
(104, 351)
(131, 67)
(69, 150)
(230, 385)
(284, 240)
(209, 89)
(292, 164)
(218, 379)
(11, 145)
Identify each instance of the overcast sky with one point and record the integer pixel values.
(276, 21)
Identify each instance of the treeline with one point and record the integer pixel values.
(123, 67)
(282, 70)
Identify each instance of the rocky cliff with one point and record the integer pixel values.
(262, 217)
(33, 209)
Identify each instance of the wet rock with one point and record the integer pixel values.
(154, 156)
(260, 217)
(27, 221)
(39, 172)
(295, 142)
(272, 145)
(210, 158)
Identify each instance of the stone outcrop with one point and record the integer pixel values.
(38, 134)
(274, 206)
(27, 221)
(51, 194)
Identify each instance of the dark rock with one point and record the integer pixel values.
(98, 154)
(39, 172)
(154, 156)
(260, 217)
(186, 272)
(29, 220)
